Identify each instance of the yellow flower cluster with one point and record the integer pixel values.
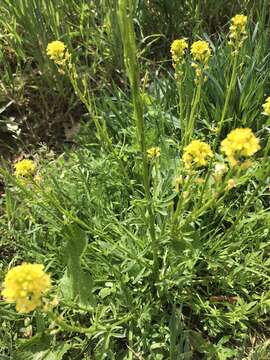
(56, 50)
(153, 152)
(24, 285)
(238, 24)
(178, 48)
(24, 167)
(240, 143)
(266, 107)
(238, 30)
(196, 154)
(201, 51)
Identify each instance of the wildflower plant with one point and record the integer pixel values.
(57, 52)
(201, 53)
(238, 32)
(179, 48)
(237, 37)
(132, 69)
(140, 244)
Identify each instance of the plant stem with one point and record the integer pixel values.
(192, 117)
(228, 95)
(86, 98)
(91, 330)
(179, 77)
(130, 53)
(181, 108)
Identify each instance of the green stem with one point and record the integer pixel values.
(86, 99)
(179, 205)
(132, 67)
(179, 76)
(196, 214)
(228, 95)
(192, 117)
(181, 109)
(236, 220)
(91, 330)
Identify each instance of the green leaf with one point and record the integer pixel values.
(56, 354)
(77, 283)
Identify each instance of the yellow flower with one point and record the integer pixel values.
(266, 107)
(24, 285)
(56, 50)
(240, 143)
(24, 167)
(201, 51)
(153, 152)
(196, 154)
(238, 23)
(178, 48)
(231, 184)
(238, 30)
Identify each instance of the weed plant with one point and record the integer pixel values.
(154, 231)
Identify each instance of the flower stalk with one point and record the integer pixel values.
(228, 93)
(132, 68)
(179, 48)
(192, 118)
(237, 37)
(201, 54)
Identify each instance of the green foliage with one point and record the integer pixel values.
(143, 266)
(37, 103)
